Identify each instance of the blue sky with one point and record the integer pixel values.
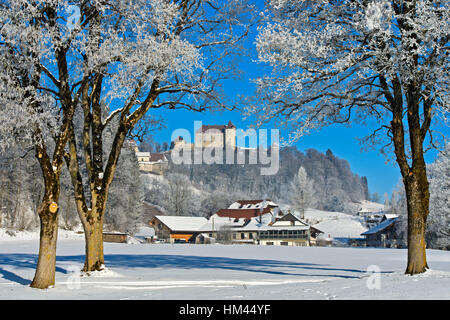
(382, 176)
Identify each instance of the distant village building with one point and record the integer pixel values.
(288, 230)
(156, 163)
(175, 229)
(244, 222)
(180, 143)
(386, 234)
(132, 144)
(372, 215)
(116, 237)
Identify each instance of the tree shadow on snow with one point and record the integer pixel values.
(183, 262)
(21, 261)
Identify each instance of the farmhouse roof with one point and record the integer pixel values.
(156, 157)
(381, 227)
(182, 223)
(242, 213)
(143, 154)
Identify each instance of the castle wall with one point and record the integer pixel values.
(214, 138)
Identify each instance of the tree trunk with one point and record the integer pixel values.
(417, 196)
(93, 230)
(46, 266)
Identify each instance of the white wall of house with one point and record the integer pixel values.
(281, 242)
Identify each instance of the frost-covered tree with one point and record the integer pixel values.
(374, 62)
(375, 197)
(20, 189)
(179, 194)
(438, 232)
(42, 76)
(302, 192)
(386, 202)
(143, 55)
(398, 207)
(215, 201)
(124, 207)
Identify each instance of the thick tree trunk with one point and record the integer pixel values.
(417, 195)
(93, 230)
(46, 266)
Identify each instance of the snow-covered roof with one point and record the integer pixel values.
(336, 224)
(216, 223)
(142, 154)
(382, 226)
(152, 157)
(390, 216)
(252, 204)
(244, 213)
(369, 206)
(183, 223)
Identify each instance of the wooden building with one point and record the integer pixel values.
(115, 237)
(177, 229)
(386, 234)
(288, 230)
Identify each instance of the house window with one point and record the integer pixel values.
(284, 243)
(269, 243)
(242, 235)
(250, 235)
(234, 236)
(210, 235)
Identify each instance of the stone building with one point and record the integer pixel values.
(216, 136)
(156, 163)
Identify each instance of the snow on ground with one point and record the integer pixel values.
(336, 224)
(185, 271)
(10, 235)
(371, 206)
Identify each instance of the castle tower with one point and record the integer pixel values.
(230, 136)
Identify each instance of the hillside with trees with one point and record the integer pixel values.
(334, 186)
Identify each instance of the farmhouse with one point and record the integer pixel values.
(237, 226)
(288, 230)
(177, 228)
(386, 234)
(259, 222)
(116, 237)
(244, 222)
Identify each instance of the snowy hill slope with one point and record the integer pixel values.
(333, 224)
(336, 224)
(370, 206)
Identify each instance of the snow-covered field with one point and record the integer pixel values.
(183, 271)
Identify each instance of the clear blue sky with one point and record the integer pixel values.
(382, 177)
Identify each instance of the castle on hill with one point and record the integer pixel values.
(210, 136)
